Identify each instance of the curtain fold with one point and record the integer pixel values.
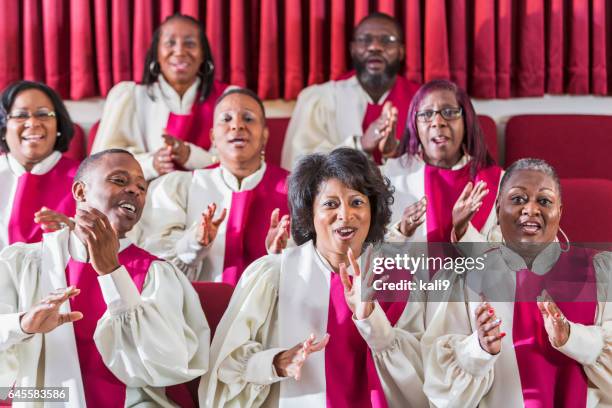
(492, 48)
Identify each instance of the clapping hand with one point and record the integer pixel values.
(555, 323)
(207, 230)
(94, 229)
(354, 293)
(381, 133)
(50, 220)
(289, 363)
(278, 233)
(468, 203)
(488, 327)
(178, 149)
(412, 217)
(45, 316)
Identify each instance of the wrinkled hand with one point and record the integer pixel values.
(207, 230)
(381, 133)
(488, 327)
(354, 293)
(162, 160)
(556, 325)
(412, 217)
(278, 233)
(45, 316)
(94, 229)
(179, 150)
(50, 220)
(289, 363)
(468, 203)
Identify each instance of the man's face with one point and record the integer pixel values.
(377, 52)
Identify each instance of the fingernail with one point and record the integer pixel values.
(496, 321)
(557, 315)
(502, 334)
(491, 311)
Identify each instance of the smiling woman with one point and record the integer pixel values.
(35, 129)
(165, 121)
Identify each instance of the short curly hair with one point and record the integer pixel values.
(354, 170)
(64, 123)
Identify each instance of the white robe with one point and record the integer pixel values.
(459, 373)
(173, 212)
(10, 171)
(132, 120)
(326, 116)
(129, 336)
(263, 320)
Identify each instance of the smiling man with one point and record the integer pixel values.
(366, 109)
(123, 325)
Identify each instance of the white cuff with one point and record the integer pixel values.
(260, 367)
(472, 358)
(471, 235)
(188, 249)
(198, 158)
(585, 343)
(119, 291)
(376, 329)
(11, 332)
(394, 234)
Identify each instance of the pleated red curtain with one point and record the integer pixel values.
(493, 48)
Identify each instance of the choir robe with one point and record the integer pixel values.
(459, 373)
(135, 116)
(337, 113)
(148, 340)
(408, 177)
(279, 301)
(175, 203)
(54, 173)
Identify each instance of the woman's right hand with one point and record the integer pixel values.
(45, 316)
(207, 230)
(412, 217)
(163, 161)
(289, 363)
(488, 326)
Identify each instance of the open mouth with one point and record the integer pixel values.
(238, 141)
(128, 209)
(180, 66)
(530, 227)
(33, 138)
(440, 140)
(345, 233)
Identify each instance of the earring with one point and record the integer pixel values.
(154, 68)
(207, 69)
(262, 155)
(567, 241)
(59, 134)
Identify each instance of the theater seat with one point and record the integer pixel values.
(76, 150)
(274, 148)
(92, 136)
(489, 129)
(577, 146)
(586, 209)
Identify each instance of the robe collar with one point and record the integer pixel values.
(248, 183)
(543, 262)
(41, 167)
(355, 82)
(173, 100)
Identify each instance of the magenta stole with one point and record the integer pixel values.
(548, 377)
(195, 127)
(52, 189)
(350, 373)
(249, 220)
(102, 388)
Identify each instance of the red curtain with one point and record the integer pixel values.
(493, 48)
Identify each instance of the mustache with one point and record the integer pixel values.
(376, 80)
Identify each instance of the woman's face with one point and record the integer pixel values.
(342, 219)
(179, 52)
(30, 132)
(441, 138)
(239, 131)
(529, 209)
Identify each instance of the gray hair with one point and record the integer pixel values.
(533, 165)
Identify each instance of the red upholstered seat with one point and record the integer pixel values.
(274, 148)
(575, 145)
(76, 150)
(92, 136)
(586, 209)
(489, 129)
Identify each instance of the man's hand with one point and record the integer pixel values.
(381, 133)
(50, 220)
(45, 316)
(94, 229)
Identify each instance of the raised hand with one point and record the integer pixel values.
(466, 206)
(94, 229)
(278, 233)
(162, 160)
(50, 220)
(207, 230)
(289, 363)
(412, 217)
(382, 128)
(45, 316)
(488, 327)
(353, 291)
(555, 323)
(179, 150)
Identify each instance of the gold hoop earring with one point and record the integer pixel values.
(567, 241)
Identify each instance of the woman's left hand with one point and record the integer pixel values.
(353, 290)
(556, 325)
(468, 203)
(180, 149)
(50, 220)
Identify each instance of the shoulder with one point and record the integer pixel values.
(402, 165)
(19, 255)
(263, 271)
(122, 89)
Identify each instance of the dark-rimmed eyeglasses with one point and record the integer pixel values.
(368, 39)
(428, 115)
(22, 116)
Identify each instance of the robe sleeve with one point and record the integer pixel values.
(312, 128)
(119, 127)
(198, 158)
(241, 353)
(163, 227)
(397, 353)
(458, 372)
(156, 338)
(592, 345)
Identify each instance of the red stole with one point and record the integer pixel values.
(350, 373)
(52, 189)
(400, 96)
(548, 377)
(249, 220)
(442, 189)
(195, 127)
(102, 388)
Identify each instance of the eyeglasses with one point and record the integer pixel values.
(368, 39)
(447, 113)
(21, 116)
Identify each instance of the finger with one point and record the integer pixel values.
(344, 277)
(274, 218)
(466, 191)
(219, 220)
(494, 337)
(353, 263)
(320, 345)
(486, 328)
(70, 317)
